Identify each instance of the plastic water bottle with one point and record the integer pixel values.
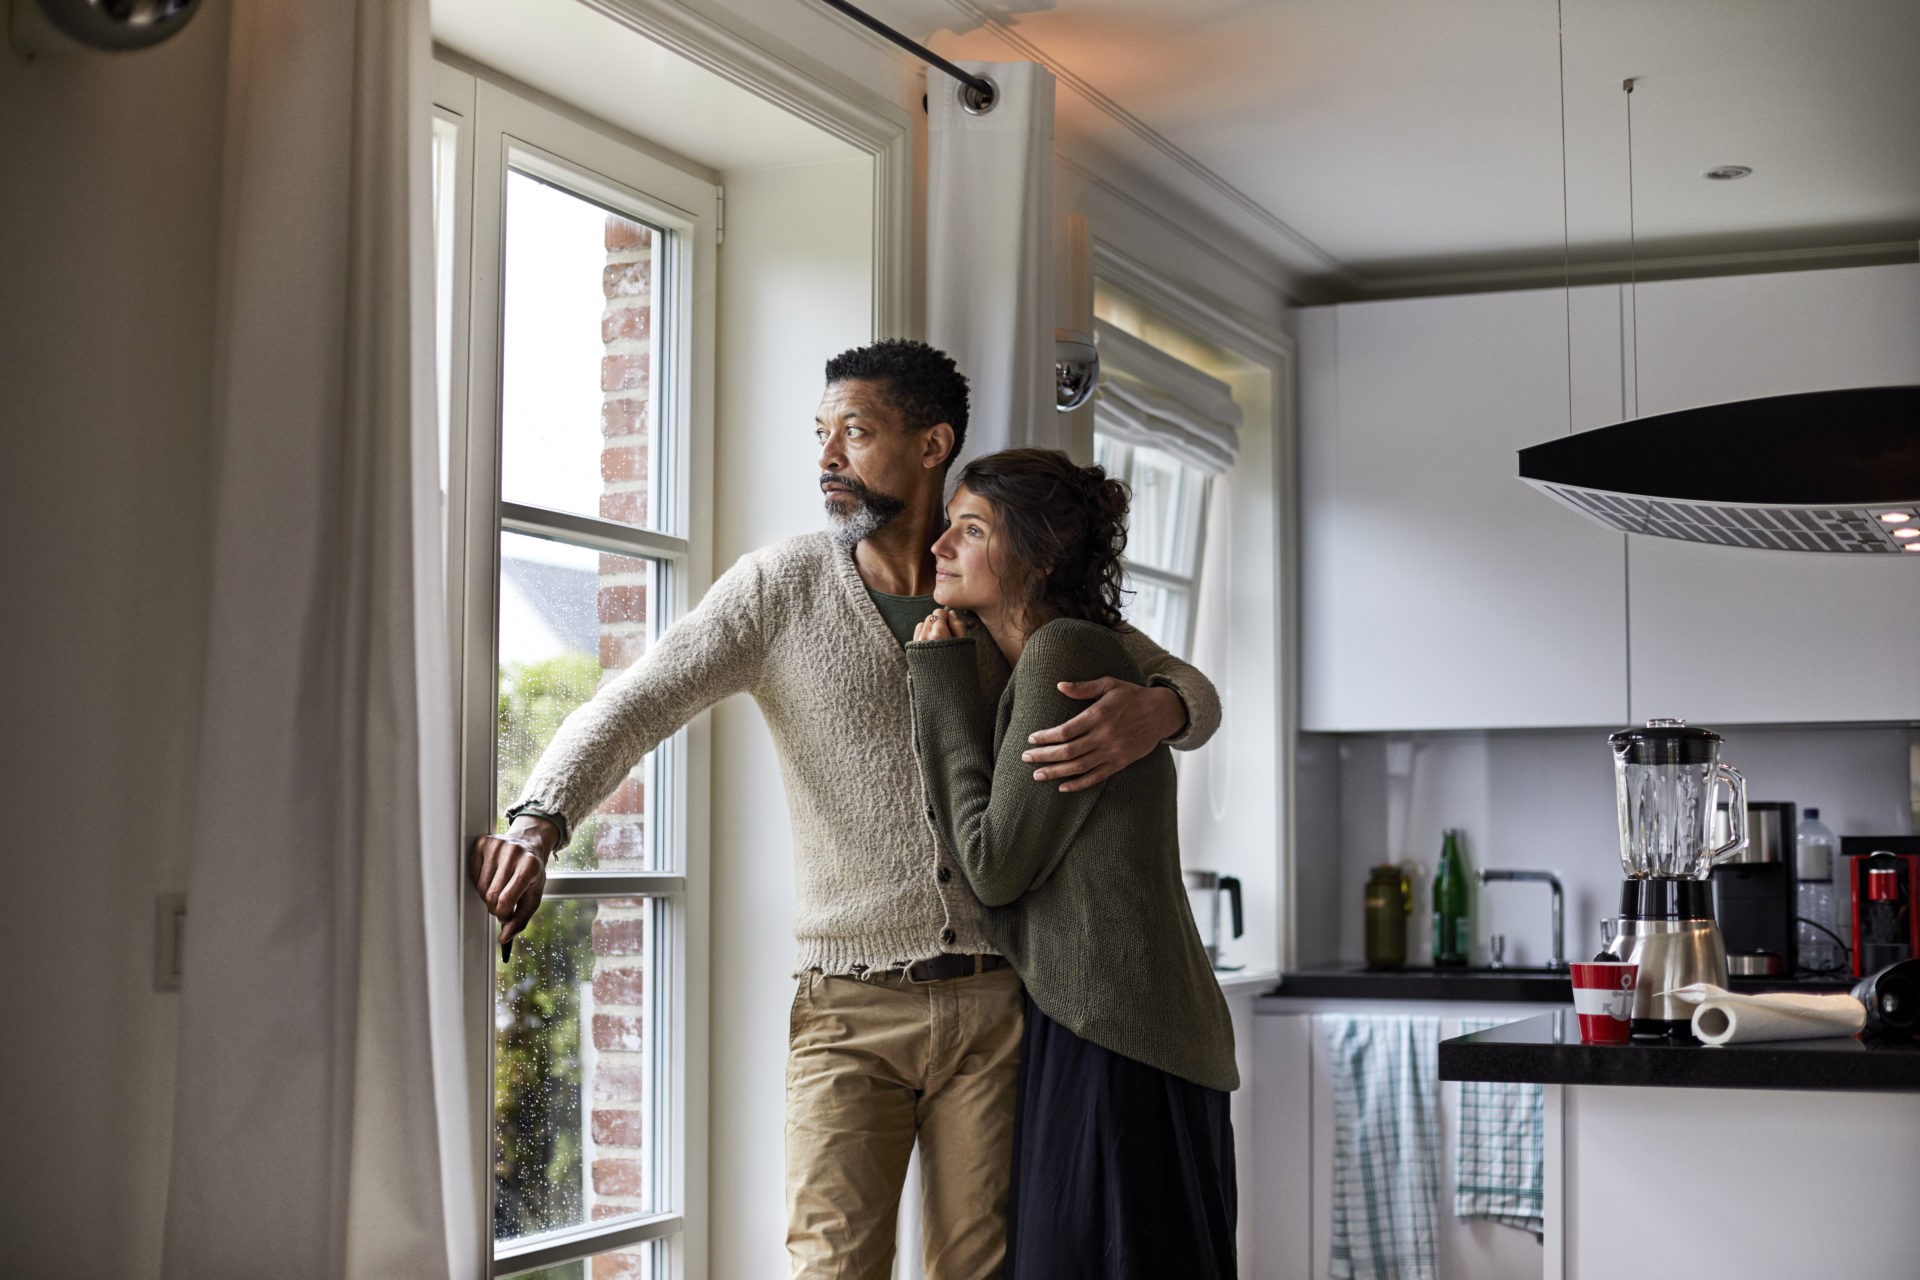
(1814, 855)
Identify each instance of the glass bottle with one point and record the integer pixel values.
(1389, 903)
(1451, 937)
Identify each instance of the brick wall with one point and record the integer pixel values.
(617, 1150)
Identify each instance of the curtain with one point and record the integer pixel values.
(1148, 397)
(321, 1123)
(990, 271)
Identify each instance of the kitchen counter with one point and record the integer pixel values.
(1526, 986)
(1547, 1050)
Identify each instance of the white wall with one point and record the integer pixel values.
(1544, 799)
(795, 289)
(108, 214)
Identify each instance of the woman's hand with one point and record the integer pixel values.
(941, 624)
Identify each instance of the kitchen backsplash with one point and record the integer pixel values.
(1538, 799)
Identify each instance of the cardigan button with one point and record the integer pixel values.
(948, 936)
(945, 874)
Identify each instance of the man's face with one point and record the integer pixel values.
(870, 464)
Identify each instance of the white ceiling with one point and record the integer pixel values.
(582, 57)
(1373, 141)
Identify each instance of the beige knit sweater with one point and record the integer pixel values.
(792, 625)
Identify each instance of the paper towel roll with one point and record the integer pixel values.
(1722, 1017)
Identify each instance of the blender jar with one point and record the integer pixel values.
(1665, 778)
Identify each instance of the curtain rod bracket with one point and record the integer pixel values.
(978, 94)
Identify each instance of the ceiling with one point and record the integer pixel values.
(1375, 145)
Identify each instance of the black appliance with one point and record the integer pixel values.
(1884, 890)
(1756, 895)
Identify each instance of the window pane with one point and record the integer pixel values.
(571, 620)
(578, 356)
(1164, 522)
(1111, 454)
(574, 1068)
(636, 1262)
(1161, 612)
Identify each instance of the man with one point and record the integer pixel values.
(906, 1026)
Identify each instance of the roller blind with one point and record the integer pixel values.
(1150, 398)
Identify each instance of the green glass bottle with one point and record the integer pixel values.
(1452, 940)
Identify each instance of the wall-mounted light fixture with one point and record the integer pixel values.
(1076, 368)
(35, 27)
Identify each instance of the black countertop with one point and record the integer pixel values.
(1547, 1050)
(1530, 986)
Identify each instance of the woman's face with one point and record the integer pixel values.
(969, 560)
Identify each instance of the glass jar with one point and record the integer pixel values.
(1389, 903)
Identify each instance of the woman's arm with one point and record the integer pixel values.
(1007, 831)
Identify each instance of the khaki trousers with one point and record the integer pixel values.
(873, 1065)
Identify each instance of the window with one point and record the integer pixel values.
(572, 388)
(1166, 538)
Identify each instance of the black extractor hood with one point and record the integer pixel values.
(1818, 471)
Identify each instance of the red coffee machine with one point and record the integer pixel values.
(1884, 888)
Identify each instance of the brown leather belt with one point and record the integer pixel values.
(944, 967)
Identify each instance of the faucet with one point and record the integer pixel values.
(1559, 959)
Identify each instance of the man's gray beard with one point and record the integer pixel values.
(866, 519)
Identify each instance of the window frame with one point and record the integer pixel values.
(1186, 584)
(499, 128)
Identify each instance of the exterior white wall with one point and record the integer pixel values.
(795, 275)
(108, 212)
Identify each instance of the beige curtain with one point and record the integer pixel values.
(321, 1125)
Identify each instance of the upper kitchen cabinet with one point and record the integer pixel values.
(1438, 590)
(1724, 635)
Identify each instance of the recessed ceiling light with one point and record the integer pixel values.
(1906, 534)
(1910, 546)
(1895, 517)
(1727, 173)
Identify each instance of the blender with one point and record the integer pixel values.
(1666, 776)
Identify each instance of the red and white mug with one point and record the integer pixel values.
(1603, 997)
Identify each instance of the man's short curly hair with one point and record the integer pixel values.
(922, 381)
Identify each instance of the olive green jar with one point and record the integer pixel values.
(1389, 903)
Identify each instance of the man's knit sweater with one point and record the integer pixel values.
(792, 625)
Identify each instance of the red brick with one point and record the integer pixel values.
(625, 603)
(619, 1032)
(621, 649)
(627, 279)
(627, 463)
(612, 566)
(619, 1128)
(620, 986)
(624, 416)
(617, 1177)
(624, 372)
(619, 937)
(603, 1211)
(626, 322)
(619, 1266)
(618, 1082)
(629, 797)
(628, 508)
(625, 233)
(621, 842)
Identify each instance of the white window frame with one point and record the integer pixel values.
(498, 128)
(1188, 583)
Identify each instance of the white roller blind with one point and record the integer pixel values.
(1150, 398)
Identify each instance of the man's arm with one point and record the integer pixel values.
(715, 651)
(1177, 705)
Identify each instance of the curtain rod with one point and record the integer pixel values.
(981, 92)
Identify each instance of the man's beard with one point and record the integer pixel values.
(872, 512)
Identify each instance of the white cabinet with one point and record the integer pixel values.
(1438, 590)
(1725, 635)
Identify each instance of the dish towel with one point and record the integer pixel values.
(1722, 1017)
(1499, 1171)
(1386, 1146)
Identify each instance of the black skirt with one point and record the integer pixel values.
(1120, 1170)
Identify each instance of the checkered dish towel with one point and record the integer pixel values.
(1497, 1171)
(1386, 1146)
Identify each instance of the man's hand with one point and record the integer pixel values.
(510, 871)
(1125, 723)
(941, 624)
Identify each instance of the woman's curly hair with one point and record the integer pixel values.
(1065, 525)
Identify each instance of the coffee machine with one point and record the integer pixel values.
(1666, 775)
(1755, 890)
(1884, 887)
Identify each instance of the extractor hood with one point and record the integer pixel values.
(1817, 471)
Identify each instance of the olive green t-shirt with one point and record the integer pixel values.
(903, 613)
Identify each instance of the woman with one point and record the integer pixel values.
(1123, 1160)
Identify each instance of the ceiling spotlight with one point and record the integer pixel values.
(1727, 173)
(1895, 517)
(1911, 546)
(1906, 534)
